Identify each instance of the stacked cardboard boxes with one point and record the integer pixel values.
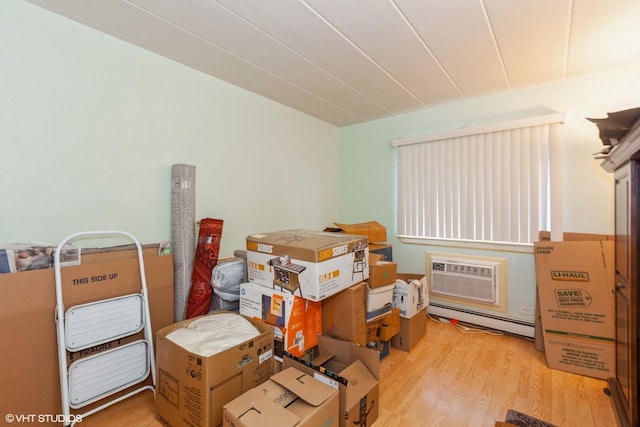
(193, 387)
(353, 370)
(410, 299)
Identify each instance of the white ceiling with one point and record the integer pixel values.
(351, 61)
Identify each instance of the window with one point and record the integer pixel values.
(495, 183)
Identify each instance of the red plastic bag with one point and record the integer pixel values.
(206, 258)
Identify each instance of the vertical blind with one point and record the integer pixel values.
(486, 184)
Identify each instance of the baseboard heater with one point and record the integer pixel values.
(512, 326)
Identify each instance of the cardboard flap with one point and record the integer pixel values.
(255, 408)
(347, 352)
(305, 387)
(375, 258)
(322, 359)
(360, 380)
(373, 229)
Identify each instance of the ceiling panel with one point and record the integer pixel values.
(457, 34)
(532, 39)
(301, 28)
(351, 61)
(604, 35)
(380, 30)
(230, 32)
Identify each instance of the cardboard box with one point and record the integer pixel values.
(353, 369)
(381, 273)
(379, 301)
(384, 249)
(289, 398)
(298, 321)
(192, 389)
(375, 231)
(344, 315)
(576, 290)
(411, 331)
(313, 264)
(27, 327)
(385, 327)
(409, 297)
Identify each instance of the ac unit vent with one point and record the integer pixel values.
(473, 280)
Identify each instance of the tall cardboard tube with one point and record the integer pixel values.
(183, 234)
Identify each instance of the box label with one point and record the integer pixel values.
(573, 298)
(570, 276)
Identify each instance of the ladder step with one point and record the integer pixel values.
(102, 321)
(96, 377)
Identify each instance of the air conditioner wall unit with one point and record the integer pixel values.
(472, 289)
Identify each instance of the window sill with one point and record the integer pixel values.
(525, 248)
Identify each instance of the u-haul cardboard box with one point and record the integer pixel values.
(576, 290)
(298, 322)
(289, 398)
(311, 264)
(192, 389)
(353, 370)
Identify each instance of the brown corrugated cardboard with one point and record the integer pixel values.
(375, 231)
(192, 389)
(576, 290)
(312, 264)
(381, 273)
(385, 327)
(354, 370)
(27, 324)
(344, 315)
(289, 398)
(411, 331)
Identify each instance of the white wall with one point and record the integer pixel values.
(90, 126)
(369, 164)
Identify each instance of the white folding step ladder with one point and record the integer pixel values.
(94, 378)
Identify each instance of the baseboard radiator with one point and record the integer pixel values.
(512, 326)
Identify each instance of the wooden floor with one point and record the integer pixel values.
(452, 379)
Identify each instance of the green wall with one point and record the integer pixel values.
(368, 164)
(91, 125)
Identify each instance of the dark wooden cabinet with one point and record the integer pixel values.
(624, 162)
(624, 386)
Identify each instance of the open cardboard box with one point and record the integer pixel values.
(192, 389)
(353, 370)
(289, 398)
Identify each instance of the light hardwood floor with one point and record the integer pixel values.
(452, 379)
